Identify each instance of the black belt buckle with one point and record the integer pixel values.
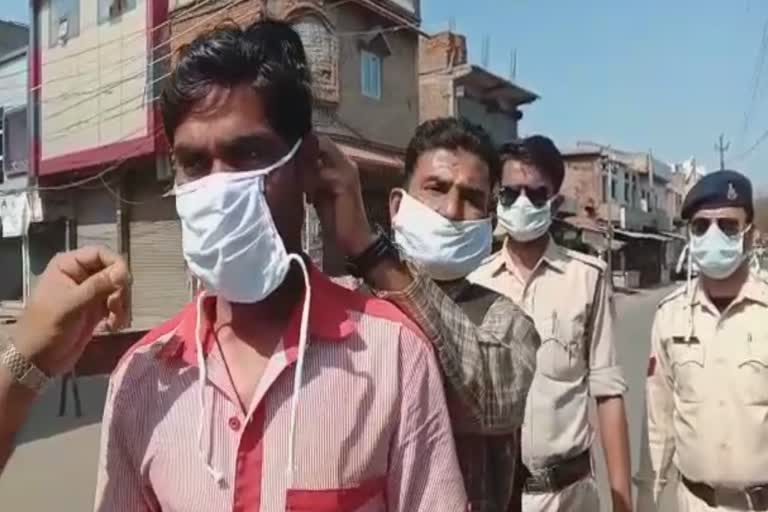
(757, 497)
(541, 482)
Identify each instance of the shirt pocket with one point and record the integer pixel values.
(687, 360)
(367, 496)
(752, 369)
(561, 355)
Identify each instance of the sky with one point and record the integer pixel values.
(659, 75)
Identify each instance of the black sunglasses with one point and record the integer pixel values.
(538, 196)
(730, 227)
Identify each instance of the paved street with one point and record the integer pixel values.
(635, 316)
(54, 465)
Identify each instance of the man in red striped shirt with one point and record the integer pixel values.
(275, 389)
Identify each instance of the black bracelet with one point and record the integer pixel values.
(380, 249)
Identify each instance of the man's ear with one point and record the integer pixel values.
(395, 196)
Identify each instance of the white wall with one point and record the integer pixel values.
(94, 86)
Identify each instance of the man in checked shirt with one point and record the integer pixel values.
(442, 229)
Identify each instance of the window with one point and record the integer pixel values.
(15, 142)
(604, 183)
(111, 9)
(64, 21)
(371, 74)
(322, 48)
(614, 183)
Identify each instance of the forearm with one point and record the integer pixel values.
(614, 434)
(15, 402)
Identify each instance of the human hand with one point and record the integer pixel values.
(338, 198)
(79, 291)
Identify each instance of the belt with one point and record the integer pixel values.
(751, 498)
(558, 476)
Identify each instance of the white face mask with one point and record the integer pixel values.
(229, 239)
(444, 249)
(523, 221)
(231, 243)
(717, 255)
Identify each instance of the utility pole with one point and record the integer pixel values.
(721, 147)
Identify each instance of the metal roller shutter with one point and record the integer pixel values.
(161, 286)
(95, 219)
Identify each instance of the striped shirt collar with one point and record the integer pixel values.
(329, 320)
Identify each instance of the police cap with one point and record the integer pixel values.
(721, 189)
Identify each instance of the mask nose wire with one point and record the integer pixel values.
(299, 373)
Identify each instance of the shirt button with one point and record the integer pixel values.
(234, 423)
(721, 403)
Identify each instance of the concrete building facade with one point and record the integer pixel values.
(452, 87)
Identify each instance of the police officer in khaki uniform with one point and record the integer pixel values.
(707, 388)
(566, 295)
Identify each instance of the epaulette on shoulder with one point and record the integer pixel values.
(675, 294)
(591, 261)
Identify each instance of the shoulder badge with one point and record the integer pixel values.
(591, 261)
(680, 291)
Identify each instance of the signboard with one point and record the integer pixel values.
(17, 210)
(13, 213)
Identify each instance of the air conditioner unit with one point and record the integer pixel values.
(63, 31)
(116, 8)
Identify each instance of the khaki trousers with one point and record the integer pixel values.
(580, 497)
(689, 502)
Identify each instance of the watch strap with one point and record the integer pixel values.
(22, 370)
(380, 249)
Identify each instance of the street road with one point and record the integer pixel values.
(54, 467)
(634, 318)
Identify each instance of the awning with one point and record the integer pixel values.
(599, 241)
(678, 236)
(641, 235)
(372, 157)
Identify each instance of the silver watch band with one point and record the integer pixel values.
(21, 369)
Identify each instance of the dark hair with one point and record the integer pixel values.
(267, 54)
(451, 133)
(540, 152)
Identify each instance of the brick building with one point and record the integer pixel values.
(635, 195)
(450, 86)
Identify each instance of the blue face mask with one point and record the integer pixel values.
(717, 255)
(524, 221)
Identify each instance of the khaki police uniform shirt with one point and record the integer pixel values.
(564, 295)
(708, 395)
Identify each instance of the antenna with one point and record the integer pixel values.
(513, 65)
(486, 55)
(452, 24)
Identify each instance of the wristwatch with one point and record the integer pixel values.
(22, 370)
(382, 248)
